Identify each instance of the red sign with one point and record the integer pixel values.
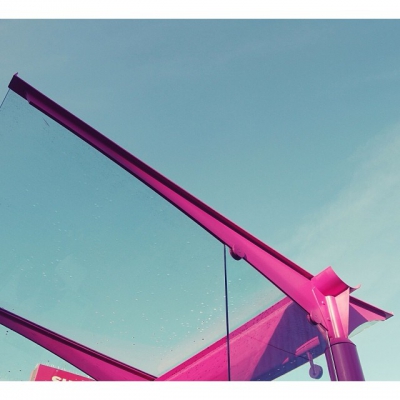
(46, 373)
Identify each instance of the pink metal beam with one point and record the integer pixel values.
(98, 366)
(288, 276)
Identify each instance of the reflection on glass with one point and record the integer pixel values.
(274, 334)
(90, 252)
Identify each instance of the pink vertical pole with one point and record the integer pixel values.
(346, 361)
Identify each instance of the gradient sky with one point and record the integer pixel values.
(290, 128)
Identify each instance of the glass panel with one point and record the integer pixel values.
(20, 357)
(90, 252)
(275, 335)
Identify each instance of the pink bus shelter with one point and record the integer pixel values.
(110, 266)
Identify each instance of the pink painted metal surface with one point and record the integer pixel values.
(97, 365)
(325, 297)
(346, 362)
(329, 284)
(362, 312)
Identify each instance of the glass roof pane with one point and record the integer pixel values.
(269, 334)
(92, 253)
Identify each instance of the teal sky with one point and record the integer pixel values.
(290, 128)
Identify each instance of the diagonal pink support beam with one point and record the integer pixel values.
(99, 366)
(288, 276)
